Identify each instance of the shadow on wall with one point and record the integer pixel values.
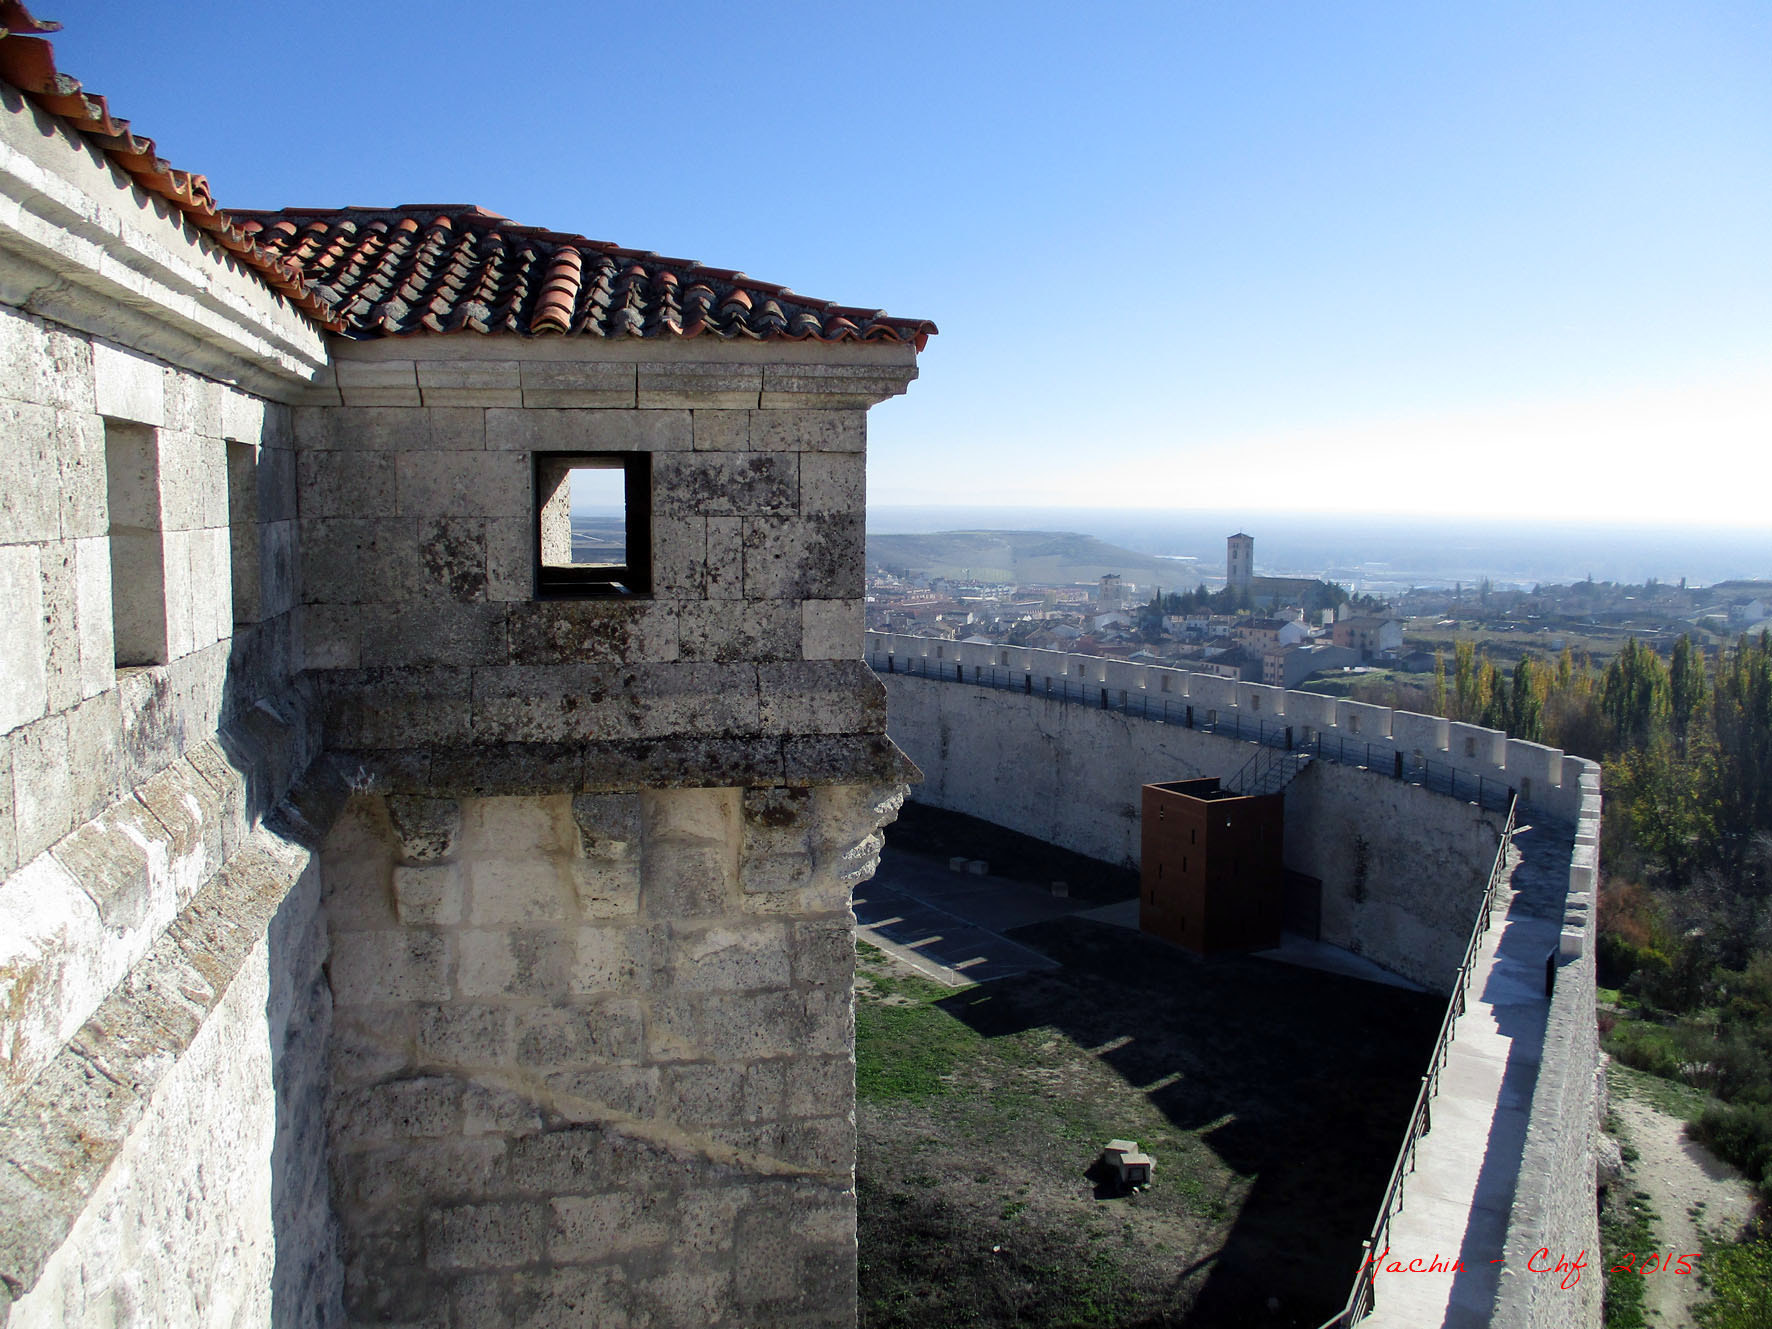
(306, 1279)
(1298, 1080)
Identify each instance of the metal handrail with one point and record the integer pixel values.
(1435, 776)
(1360, 1299)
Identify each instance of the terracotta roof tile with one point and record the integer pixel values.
(393, 272)
(27, 62)
(441, 268)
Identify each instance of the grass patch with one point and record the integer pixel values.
(1738, 1276)
(982, 1110)
(1669, 1096)
(906, 1047)
(1627, 1226)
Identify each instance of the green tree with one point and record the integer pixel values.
(1465, 696)
(1634, 697)
(1741, 727)
(1527, 706)
(1496, 705)
(1439, 683)
(1685, 689)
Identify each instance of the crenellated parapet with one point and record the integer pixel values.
(1545, 778)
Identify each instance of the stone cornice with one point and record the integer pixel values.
(472, 369)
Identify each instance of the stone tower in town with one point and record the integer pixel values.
(1239, 561)
(404, 919)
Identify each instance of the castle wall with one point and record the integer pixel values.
(592, 956)
(162, 1015)
(1402, 868)
(1553, 1205)
(127, 792)
(213, 1208)
(598, 1050)
(1545, 779)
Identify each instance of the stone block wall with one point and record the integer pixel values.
(163, 1011)
(1402, 868)
(110, 781)
(1535, 772)
(1554, 1206)
(592, 904)
(593, 1055)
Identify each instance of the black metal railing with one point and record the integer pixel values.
(1360, 1300)
(1440, 777)
(1269, 771)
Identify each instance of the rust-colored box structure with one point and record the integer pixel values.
(1213, 880)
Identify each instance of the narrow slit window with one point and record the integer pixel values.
(243, 532)
(593, 528)
(137, 545)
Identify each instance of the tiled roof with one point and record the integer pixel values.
(378, 272)
(449, 267)
(27, 62)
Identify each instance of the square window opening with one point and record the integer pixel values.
(593, 524)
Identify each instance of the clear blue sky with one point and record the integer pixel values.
(1394, 256)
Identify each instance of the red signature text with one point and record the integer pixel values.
(1434, 1264)
(1568, 1268)
(1655, 1263)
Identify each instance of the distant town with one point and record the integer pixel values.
(1293, 631)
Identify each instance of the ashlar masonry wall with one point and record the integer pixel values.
(597, 1051)
(1545, 778)
(161, 946)
(592, 941)
(1400, 866)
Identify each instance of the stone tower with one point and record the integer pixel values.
(403, 919)
(1239, 561)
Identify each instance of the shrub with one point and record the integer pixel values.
(1741, 1133)
(1646, 1047)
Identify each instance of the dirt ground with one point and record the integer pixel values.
(1692, 1193)
(1272, 1099)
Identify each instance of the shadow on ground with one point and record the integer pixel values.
(1300, 1081)
(922, 829)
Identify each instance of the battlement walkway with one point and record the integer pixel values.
(1458, 1197)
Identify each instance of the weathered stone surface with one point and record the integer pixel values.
(24, 680)
(429, 893)
(722, 431)
(809, 431)
(589, 431)
(728, 630)
(727, 483)
(427, 827)
(803, 558)
(592, 631)
(825, 697)
(831, 629)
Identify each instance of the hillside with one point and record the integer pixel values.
(1022, 557)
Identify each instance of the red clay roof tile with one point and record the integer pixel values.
(445, 267)
(370, 272)
(27, 62)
